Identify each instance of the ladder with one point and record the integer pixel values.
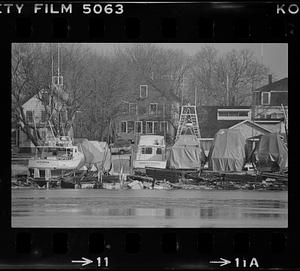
(188, 121)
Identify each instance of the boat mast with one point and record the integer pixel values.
(58, 60)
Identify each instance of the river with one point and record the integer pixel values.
(148, 208)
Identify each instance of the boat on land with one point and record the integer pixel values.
(151, 152)
(186, 154)
(57, 156)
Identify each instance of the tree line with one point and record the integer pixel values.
(96, 85)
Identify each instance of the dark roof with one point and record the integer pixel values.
(209, 130)
(280, 85)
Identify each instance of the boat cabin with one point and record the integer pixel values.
(151, 152)
(57, 148)
(56, 153)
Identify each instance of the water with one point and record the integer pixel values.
(148, 208)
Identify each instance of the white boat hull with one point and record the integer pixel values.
(56, 164)
(149, 163)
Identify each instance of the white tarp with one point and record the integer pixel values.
(96, 154)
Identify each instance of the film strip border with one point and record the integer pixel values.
(148, 248)
(165, 22)
(153, 248)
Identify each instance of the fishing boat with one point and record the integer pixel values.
(55, 157)
(151, 152)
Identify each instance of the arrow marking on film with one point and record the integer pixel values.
(222, 262)
(84, 261)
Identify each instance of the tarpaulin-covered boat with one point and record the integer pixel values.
(96, 154)
(186, 153)
(228, 151)
(271, 153)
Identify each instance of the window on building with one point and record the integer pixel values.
(132, 108)
(143, 91)
(265, 98)
(233, 114)
(156, 127)
(153, 109)
(130, 127)
(149, 127)
(159, 151)
(43, 116)
(57, 80)
(29, 116)
(45, 97)
(244, 113)
(14, 138)
(268, 116)
(123, 126)
(274, 116)
(146, 150)
(138, 127)
(280, 115)
(164, 126)
(257, 98)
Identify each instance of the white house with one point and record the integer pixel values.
(36, 116)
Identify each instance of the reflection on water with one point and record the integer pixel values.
(148, 208)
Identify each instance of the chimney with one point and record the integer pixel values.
(270, 78)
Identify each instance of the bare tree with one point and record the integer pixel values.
(27, 81)
(162, 69)
(32, 76)
(78, 83)
(228, 79)
(110, 80)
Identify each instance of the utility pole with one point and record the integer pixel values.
(227, 90)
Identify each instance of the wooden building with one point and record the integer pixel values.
(269, 104)
(149, 111)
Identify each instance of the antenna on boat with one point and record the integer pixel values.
(51, 62)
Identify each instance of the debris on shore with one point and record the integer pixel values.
(205, 180)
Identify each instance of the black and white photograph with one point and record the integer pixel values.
(149, 135)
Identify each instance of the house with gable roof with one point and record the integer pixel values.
(35, 114)
(270, 105)
(148, 112)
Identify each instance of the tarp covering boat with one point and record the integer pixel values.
(96, 154)
(271, 152)
(228, 151)
(186, 153)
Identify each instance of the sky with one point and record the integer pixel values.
(273, 55)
